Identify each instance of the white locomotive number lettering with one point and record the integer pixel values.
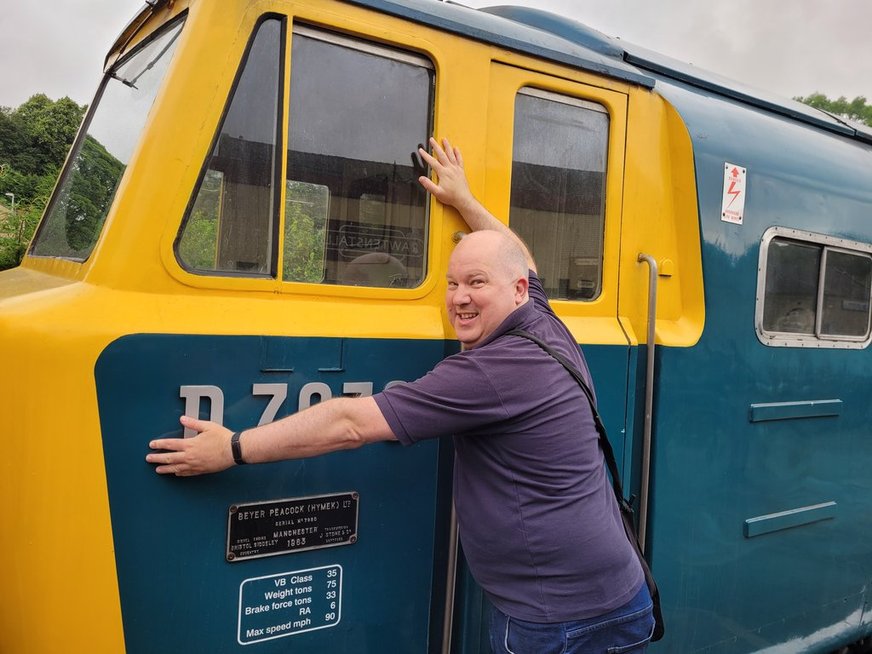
(309, 394)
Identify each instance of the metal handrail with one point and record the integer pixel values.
(450, 581)
(649, 397)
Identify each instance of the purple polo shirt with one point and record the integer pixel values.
(538, 521)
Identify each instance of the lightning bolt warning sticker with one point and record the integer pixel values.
(733, 205)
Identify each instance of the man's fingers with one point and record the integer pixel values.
(428, 185)
(449, 151)
(430, 159)
(175, 469)
(438, 151)
(166, 470)
(172, 444)
(208, 451)
(195, 424)
(171, 462)
(442, 156)
(164, 459)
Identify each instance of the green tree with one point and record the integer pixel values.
(34, 141)
(12, 139)
(15, 232)
(855, 109)
(54, 129)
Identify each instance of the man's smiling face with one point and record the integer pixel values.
(482, 288)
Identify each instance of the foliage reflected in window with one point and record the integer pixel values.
(306, 214)
(82, 200)
(558, 190)
(230, 226)
(355, 211)
(198, 247)
(816, 291)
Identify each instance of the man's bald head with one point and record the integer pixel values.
(497, 249)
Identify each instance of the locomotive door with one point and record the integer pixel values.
(302, 253)
(565, 142)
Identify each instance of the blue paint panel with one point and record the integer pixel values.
(787, 410)
(690, 74)
(714, 469)
(796, 589)
(609, 370)
(177, 591)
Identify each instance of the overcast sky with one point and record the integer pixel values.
(789, 47)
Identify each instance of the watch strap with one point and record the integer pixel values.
(236, 448)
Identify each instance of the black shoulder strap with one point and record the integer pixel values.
(626, 509)
(608, 453)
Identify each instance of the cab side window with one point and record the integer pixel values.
(230, 225)
(558, 189)
(354, 211)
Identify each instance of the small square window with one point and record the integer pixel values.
(792, 274)
(845, 305)
(813, 290)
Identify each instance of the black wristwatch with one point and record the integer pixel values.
(236, 448)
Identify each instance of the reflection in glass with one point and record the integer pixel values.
(198, 247)
(306, 215)
(558, 190)
(847, 289)
(81, 201)
(230, 226)
(792, 272)
(357, 113)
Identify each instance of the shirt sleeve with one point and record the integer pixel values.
(537, 294)
(455, 397)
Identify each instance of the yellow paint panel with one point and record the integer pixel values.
(60, 592)
(660, 219)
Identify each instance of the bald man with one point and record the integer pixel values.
(537, 518)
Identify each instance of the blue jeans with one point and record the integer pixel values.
(624, 630)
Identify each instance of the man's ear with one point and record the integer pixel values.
(522, 286)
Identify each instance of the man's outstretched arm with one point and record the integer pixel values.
(337, 424)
